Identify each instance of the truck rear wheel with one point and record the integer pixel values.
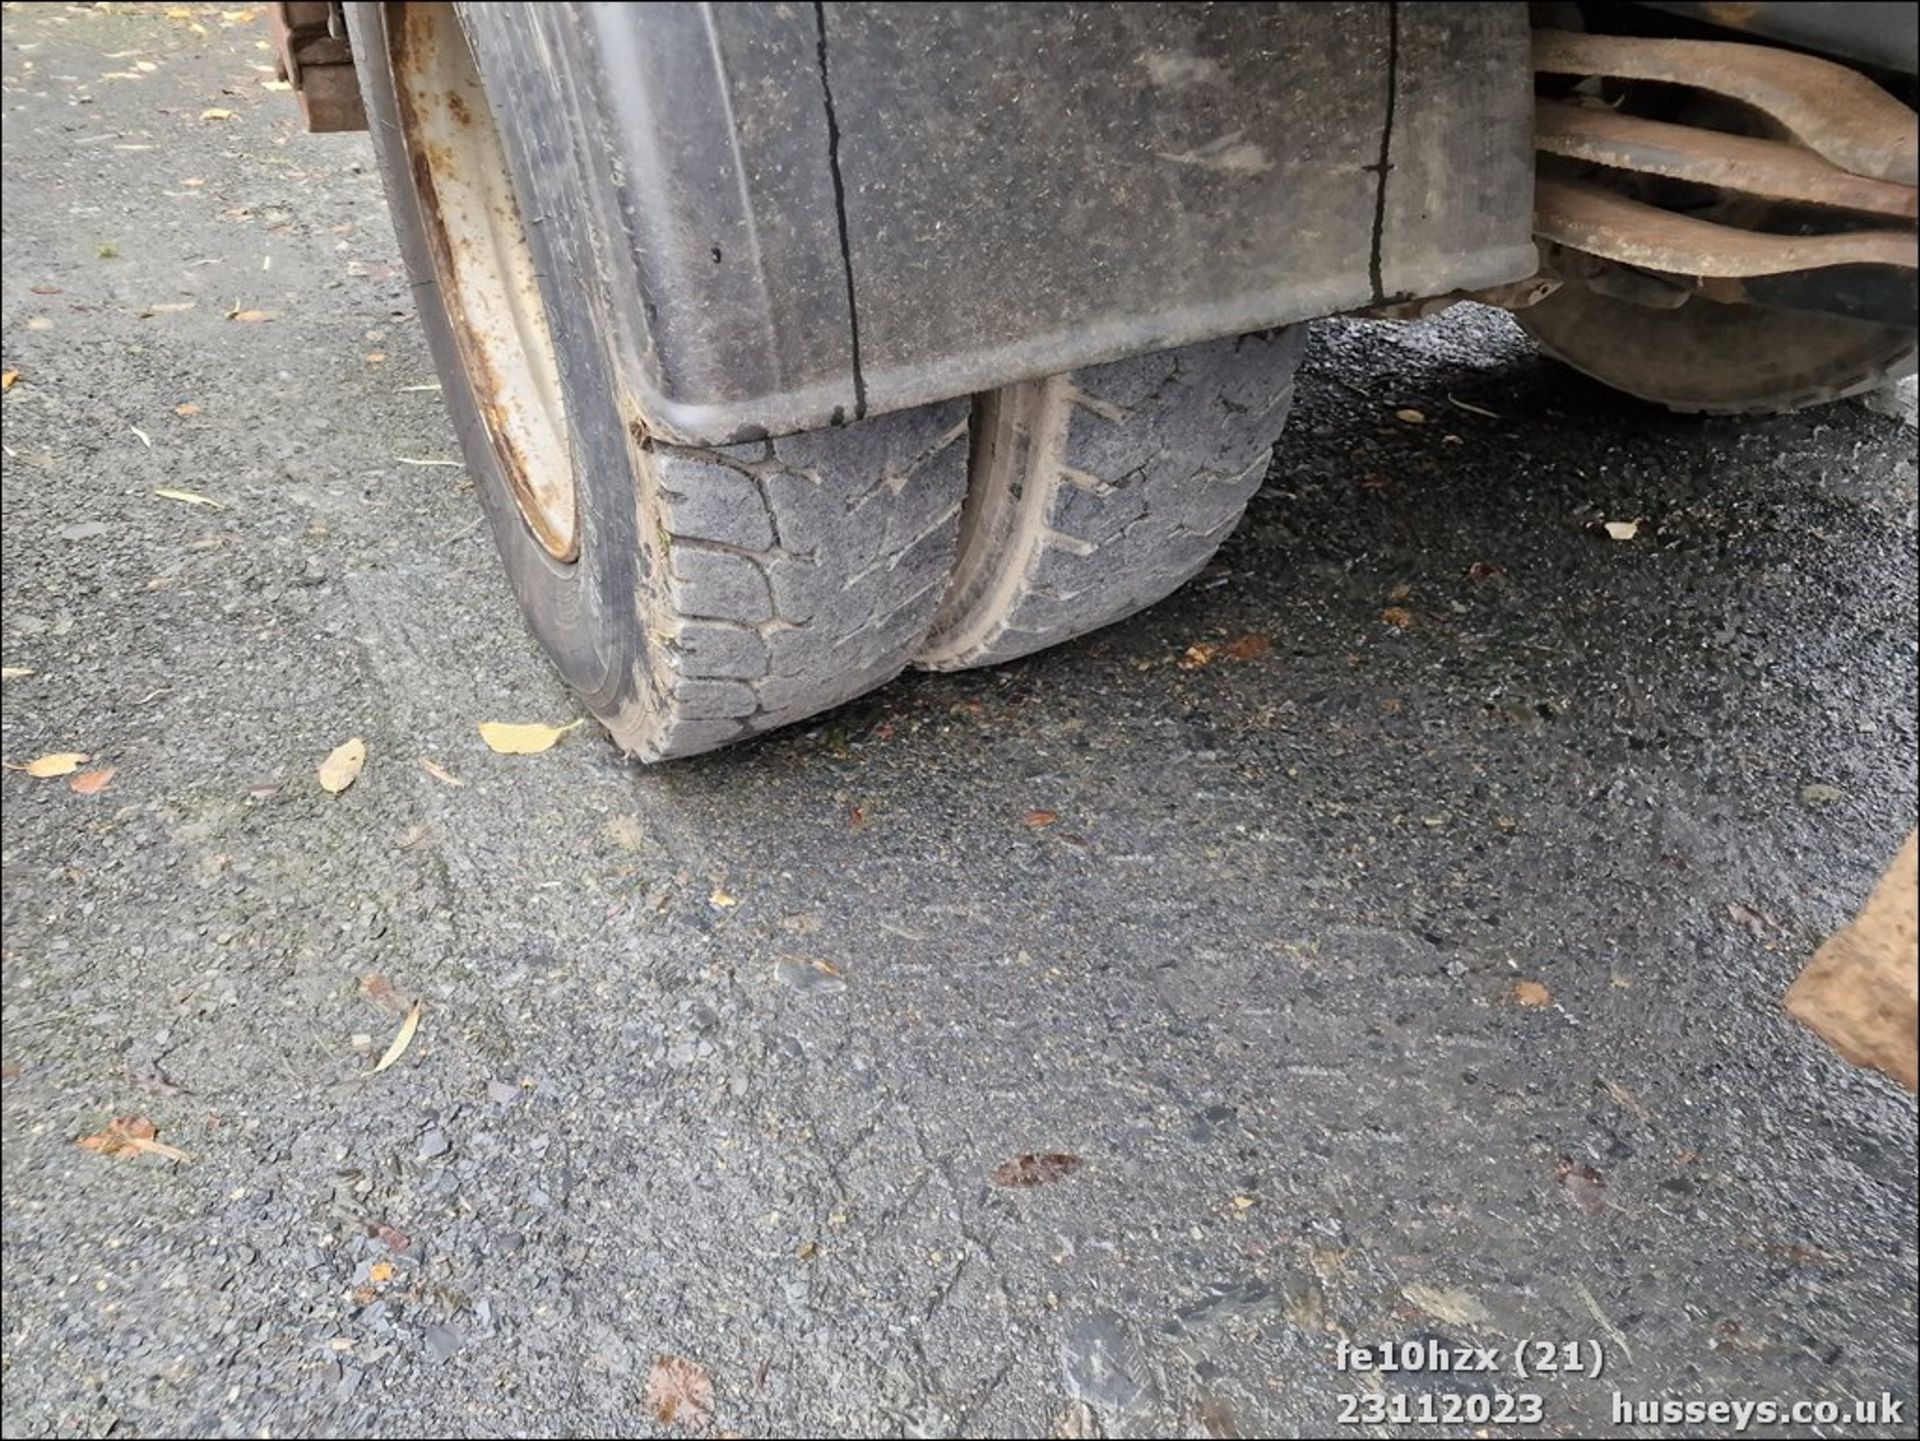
(1096, 493)
(693, 596)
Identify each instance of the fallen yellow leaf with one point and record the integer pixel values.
(251, 317)
(1410, 416)
(91, 783)
(14, 672)
(401, 1040)
(216, 114)
(179, 12)
(275, 85)
(1623, 529)
(342, 768)
(522, 740)
(440, 772)
(7, 378)
(186, 408)
(61, 763)
(380, 1272)
(723, 898)
(188, 497)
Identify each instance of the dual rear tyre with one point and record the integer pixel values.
(696, 596)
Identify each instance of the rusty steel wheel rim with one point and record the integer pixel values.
(484, 266)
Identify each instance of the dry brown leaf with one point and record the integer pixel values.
(342, 768)
(680, 1393)
(91, 783)
(1037, 819)
(1397, 615)
(439, 772)
(522, 740)
(251, 317)
(1250, 646)
(217, 114)
(7, 378)
(401, 1040)
(1531, 993)
(1035, 1170)
(1623, 529)
(128, 1136)
(120, 1131)
(60, 763)
(188, 497)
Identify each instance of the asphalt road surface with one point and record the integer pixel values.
(1416, 977)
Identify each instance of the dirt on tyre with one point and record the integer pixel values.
(1096, 493)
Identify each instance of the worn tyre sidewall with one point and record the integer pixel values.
(584, 611)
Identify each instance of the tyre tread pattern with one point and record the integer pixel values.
(785, 577)
(1149, 466)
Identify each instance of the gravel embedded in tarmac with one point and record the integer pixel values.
(1415, 978)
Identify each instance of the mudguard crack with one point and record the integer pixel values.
(840, 210)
